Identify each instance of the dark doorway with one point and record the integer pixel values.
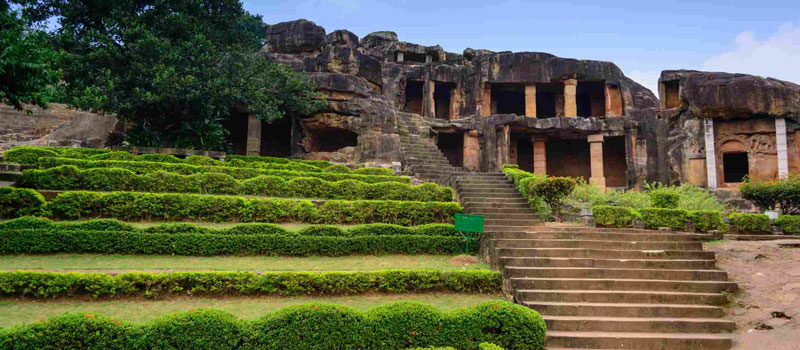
(672, 91)
(414, 57)
(525, 153)
(442, 100)
(237, 132)
(452, 146)
(735, 166)
(590, 99)
(276, 138)
(614, 163)
(332, 139)
(546, 99)
(509, 98)
(413, 102)
(568, 157)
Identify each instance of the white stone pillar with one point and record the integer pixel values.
(780, 137)
(428, 58)
(711, 154)
(400, 56)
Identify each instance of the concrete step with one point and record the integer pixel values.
(498, 228)
(637, 341)
(492, 210)
(605, 253)
(620, 296)
(637, 324)
(10, 176)
(579, 243)
(493, 192)
(609, 263)
(512, 222)
(623, 284)
(523, 216)
(625, 309)
(652, 236)
(606, 273)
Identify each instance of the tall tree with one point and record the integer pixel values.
(25, 61)
(172, 68)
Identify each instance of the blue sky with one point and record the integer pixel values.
(642, 37)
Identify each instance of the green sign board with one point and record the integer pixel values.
(469, 223)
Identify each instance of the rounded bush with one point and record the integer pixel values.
(311, 327)
(373, 171)
(202, 160)
(27, 155)
(97, 225)
(64, 177)
(16, 202)
(751, 223)
(256, 228)
(78, 331)
(112, 156)
(380, 230)
(664, 198)
(348, 189)
(178, 228)
(511, 326)
(197, 329)
(264, 186)
(163, 181)
(25, 223)
(337, 168)
(157, 157)
(323, 230)
(398, 325)
(217, 183)
(108, 179)
(789, 223)
(308, 187)
(435, 230)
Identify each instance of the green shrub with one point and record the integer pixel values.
(773, 194)
(488, 346)
(427, 324)
(177, 228)
(553, 191)
(753, 223)
(664, 199)
(202, 160)
(111, 156)
(338, 168)
(65, 177)
(27, 155)
(348, 189)
(158, 157)
(308, 187)
(381, 230)
(29, 284)
(256, 228)
(789, 223)
(162, 181)
(215, 183)
(324, 326)
(607, 215)
(659, 217)
(707, 220)
(323, 230)
(196, 329)
(72, 331)
(95, 225)
(508, 325)
(436, 230)
(265, 186)
(374, 171)
(108, 179)
(16, 202)
(26, 222)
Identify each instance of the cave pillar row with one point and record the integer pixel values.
(596, 157)
(711, 158)
(530, 100)
(253, 147)
(570, 92)
(472, 151)
(539, 155)
(782, 148)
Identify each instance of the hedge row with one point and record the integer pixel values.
(39, 241)
(69, 177)
(188, 169)
(314, 326)
(29, 155)
(51, 285)
(789, 223)
(653, 218)
(278, 160)
(747, 222)
(36, 223)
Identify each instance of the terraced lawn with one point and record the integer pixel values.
(13, 312)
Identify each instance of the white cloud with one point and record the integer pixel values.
(648, 78)
(778, 56)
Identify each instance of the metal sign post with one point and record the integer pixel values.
(467, 224)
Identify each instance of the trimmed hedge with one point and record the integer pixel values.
(29, 155)
(313, 326)
(747, 222)
(607, 215)
(789, 223)
(660, 217)
(235, 158)
(178, 207)
(374, 171)
(707, 220)
(36, 284)
(239, 173)
(664, 198)
(16, 202)
(237, 242)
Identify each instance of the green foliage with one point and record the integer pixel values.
(157, 157)
(338, 168)
(30, 284)
(374, 171)
(659, 217)
(323, 230)
(16, 202)
(26, 71)
(707, 220)
(553, 191)
(109, 156)
(27, 155)
(664, 199)
(188, 64)
(195, 329)
(783, 194)
(524, 182)
(789, 223)
(508, 325)
(607, 215)
(72, 331)
(752, 223)
(202, 160)
(488, 346)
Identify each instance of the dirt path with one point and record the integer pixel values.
(767, 308)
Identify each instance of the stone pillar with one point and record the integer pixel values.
(253, 136)
(486, 100)
(711, 154)
(539, 155)
(455, 102)
(503, 145)
(428, 59)
(596, 157)
(428, 104)
(782, 147)
(613, 101)
(530, 100)
(570, 90)
(400, 56)
(472, 150)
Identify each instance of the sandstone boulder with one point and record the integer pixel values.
(294, 37)
(342, 59)
(342, 37)
(378, 39)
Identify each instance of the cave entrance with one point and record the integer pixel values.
(672, 92)
(568, 157)
(442, 97)
(508, 98)
(615, 165)
(547, 96)
(276, 138)
(413, 92)
(525, 152)
(237, 131)
(331, 139)
(452, 146)
(590, 99)
(735, 166)
(414, 57)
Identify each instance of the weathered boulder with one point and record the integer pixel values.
(294, 37)
(342, 37)
(342, 59)
(344, 83)
(378, 39)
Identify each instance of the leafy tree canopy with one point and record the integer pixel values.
(174, 69)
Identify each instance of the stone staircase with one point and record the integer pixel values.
(421, 156)
(10, 173)
(602, 288)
